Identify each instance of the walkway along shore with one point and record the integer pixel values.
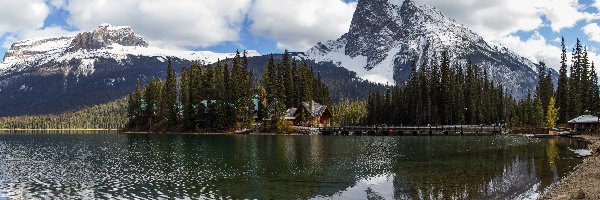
(584, 181)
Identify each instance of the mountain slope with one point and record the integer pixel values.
(52, 75)
(55, 75)
(385, 38)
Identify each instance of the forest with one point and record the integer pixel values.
(442, 94)
(107, 116)
(223, 96)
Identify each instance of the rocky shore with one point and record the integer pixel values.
(584, 182)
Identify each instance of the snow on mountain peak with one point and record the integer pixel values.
(116, 42)
(386, 37)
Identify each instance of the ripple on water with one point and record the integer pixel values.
(275, 167)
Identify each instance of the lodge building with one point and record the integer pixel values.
(309, 113)
(585, 123)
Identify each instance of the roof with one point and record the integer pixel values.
(314, 108)
(290, 113)
(584, 119)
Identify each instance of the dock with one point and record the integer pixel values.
(412, 130)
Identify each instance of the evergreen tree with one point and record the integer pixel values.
(594, 93)
(446, 103)
(545, 89)
(134, 108)
(575, 84)
(562, 91)
(208, 101)
(169, 96)
(184, 97)
(152, 94)
(269, 80)
(196, 93)
(217, 99)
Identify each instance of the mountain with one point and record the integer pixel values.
(385, 39)
(60, 74)
(50, 75)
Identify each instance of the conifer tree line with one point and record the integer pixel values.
(577, 88)
(111, 115)
(444, 94)
(288, 83)
(440, 94)
(222, 96)
(577, 92)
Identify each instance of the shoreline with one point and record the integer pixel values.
(583, 181)
(59, 129)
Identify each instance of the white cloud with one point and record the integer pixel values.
(299, 25)
(535, 48)
(592, 31)
(22, 15)
(494, 19)
(563, 13)
(32, 34)
(47, 33)
(184, 23)
(483, 16)
(58, 3)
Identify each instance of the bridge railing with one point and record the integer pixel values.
(488, 128)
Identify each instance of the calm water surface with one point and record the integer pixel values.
(279, 167)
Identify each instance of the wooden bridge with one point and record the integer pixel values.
(413, 130)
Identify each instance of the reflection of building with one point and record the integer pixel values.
(584, 123)
(309, 113)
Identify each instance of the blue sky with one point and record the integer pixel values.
(530, 28)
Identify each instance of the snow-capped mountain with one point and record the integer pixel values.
(116, 42)
(49, 75)
(385, 38)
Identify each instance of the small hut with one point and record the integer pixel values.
(584, 123)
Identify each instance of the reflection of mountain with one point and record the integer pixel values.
(277, 167)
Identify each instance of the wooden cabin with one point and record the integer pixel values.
(309, 113)
(584, 123)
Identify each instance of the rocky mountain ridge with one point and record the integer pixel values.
(385, 38)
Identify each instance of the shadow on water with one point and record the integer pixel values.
(280, 167)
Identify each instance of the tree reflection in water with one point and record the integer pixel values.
(279, 167)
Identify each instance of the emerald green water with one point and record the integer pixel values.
(92, 166)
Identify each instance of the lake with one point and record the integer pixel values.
(280, 167)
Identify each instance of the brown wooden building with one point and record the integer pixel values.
(310, 113)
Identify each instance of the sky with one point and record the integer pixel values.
(531, 28)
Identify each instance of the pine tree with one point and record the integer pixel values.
(469, 93)
(445, 93)
(134, 109)
(184, 97)
(562, 91)
(545, 89)
(196, 96)
(208, 94)
(269, 80)
(594, 93)
(575, 83)
(217, 100)
(169, 98)
(152, 97)
(229, 97)
(304, 83)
